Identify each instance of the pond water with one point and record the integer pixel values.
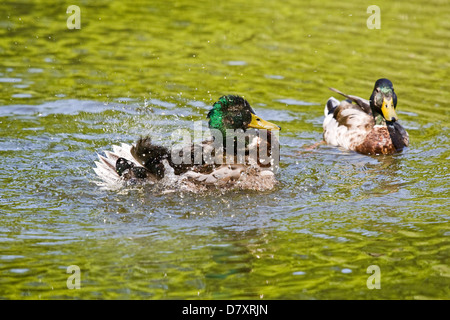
(137, 68)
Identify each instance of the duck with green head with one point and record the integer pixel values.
(234, 112)
(366, 126)
(147, 162)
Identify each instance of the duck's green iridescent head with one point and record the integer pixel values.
(234, 112)
(383, 100)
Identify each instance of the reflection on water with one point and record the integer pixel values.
(142, 69)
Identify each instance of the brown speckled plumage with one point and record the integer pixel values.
(378, 141)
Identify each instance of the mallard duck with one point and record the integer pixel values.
(223, 161)
(367, 127)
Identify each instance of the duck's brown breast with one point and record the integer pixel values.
(378, 141)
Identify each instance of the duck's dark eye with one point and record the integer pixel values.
(258, 119)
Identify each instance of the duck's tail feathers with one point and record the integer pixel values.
(362, 103)
(106, 166)
(150, 155)
(331, 105)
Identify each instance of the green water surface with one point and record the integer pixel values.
(151, 67)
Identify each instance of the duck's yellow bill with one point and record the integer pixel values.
(387, 108)
(259, 123)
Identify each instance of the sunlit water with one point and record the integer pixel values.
(140, 69)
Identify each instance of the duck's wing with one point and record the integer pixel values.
(235, 176)
(219, 176)
(347, 126)
(362, 103)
